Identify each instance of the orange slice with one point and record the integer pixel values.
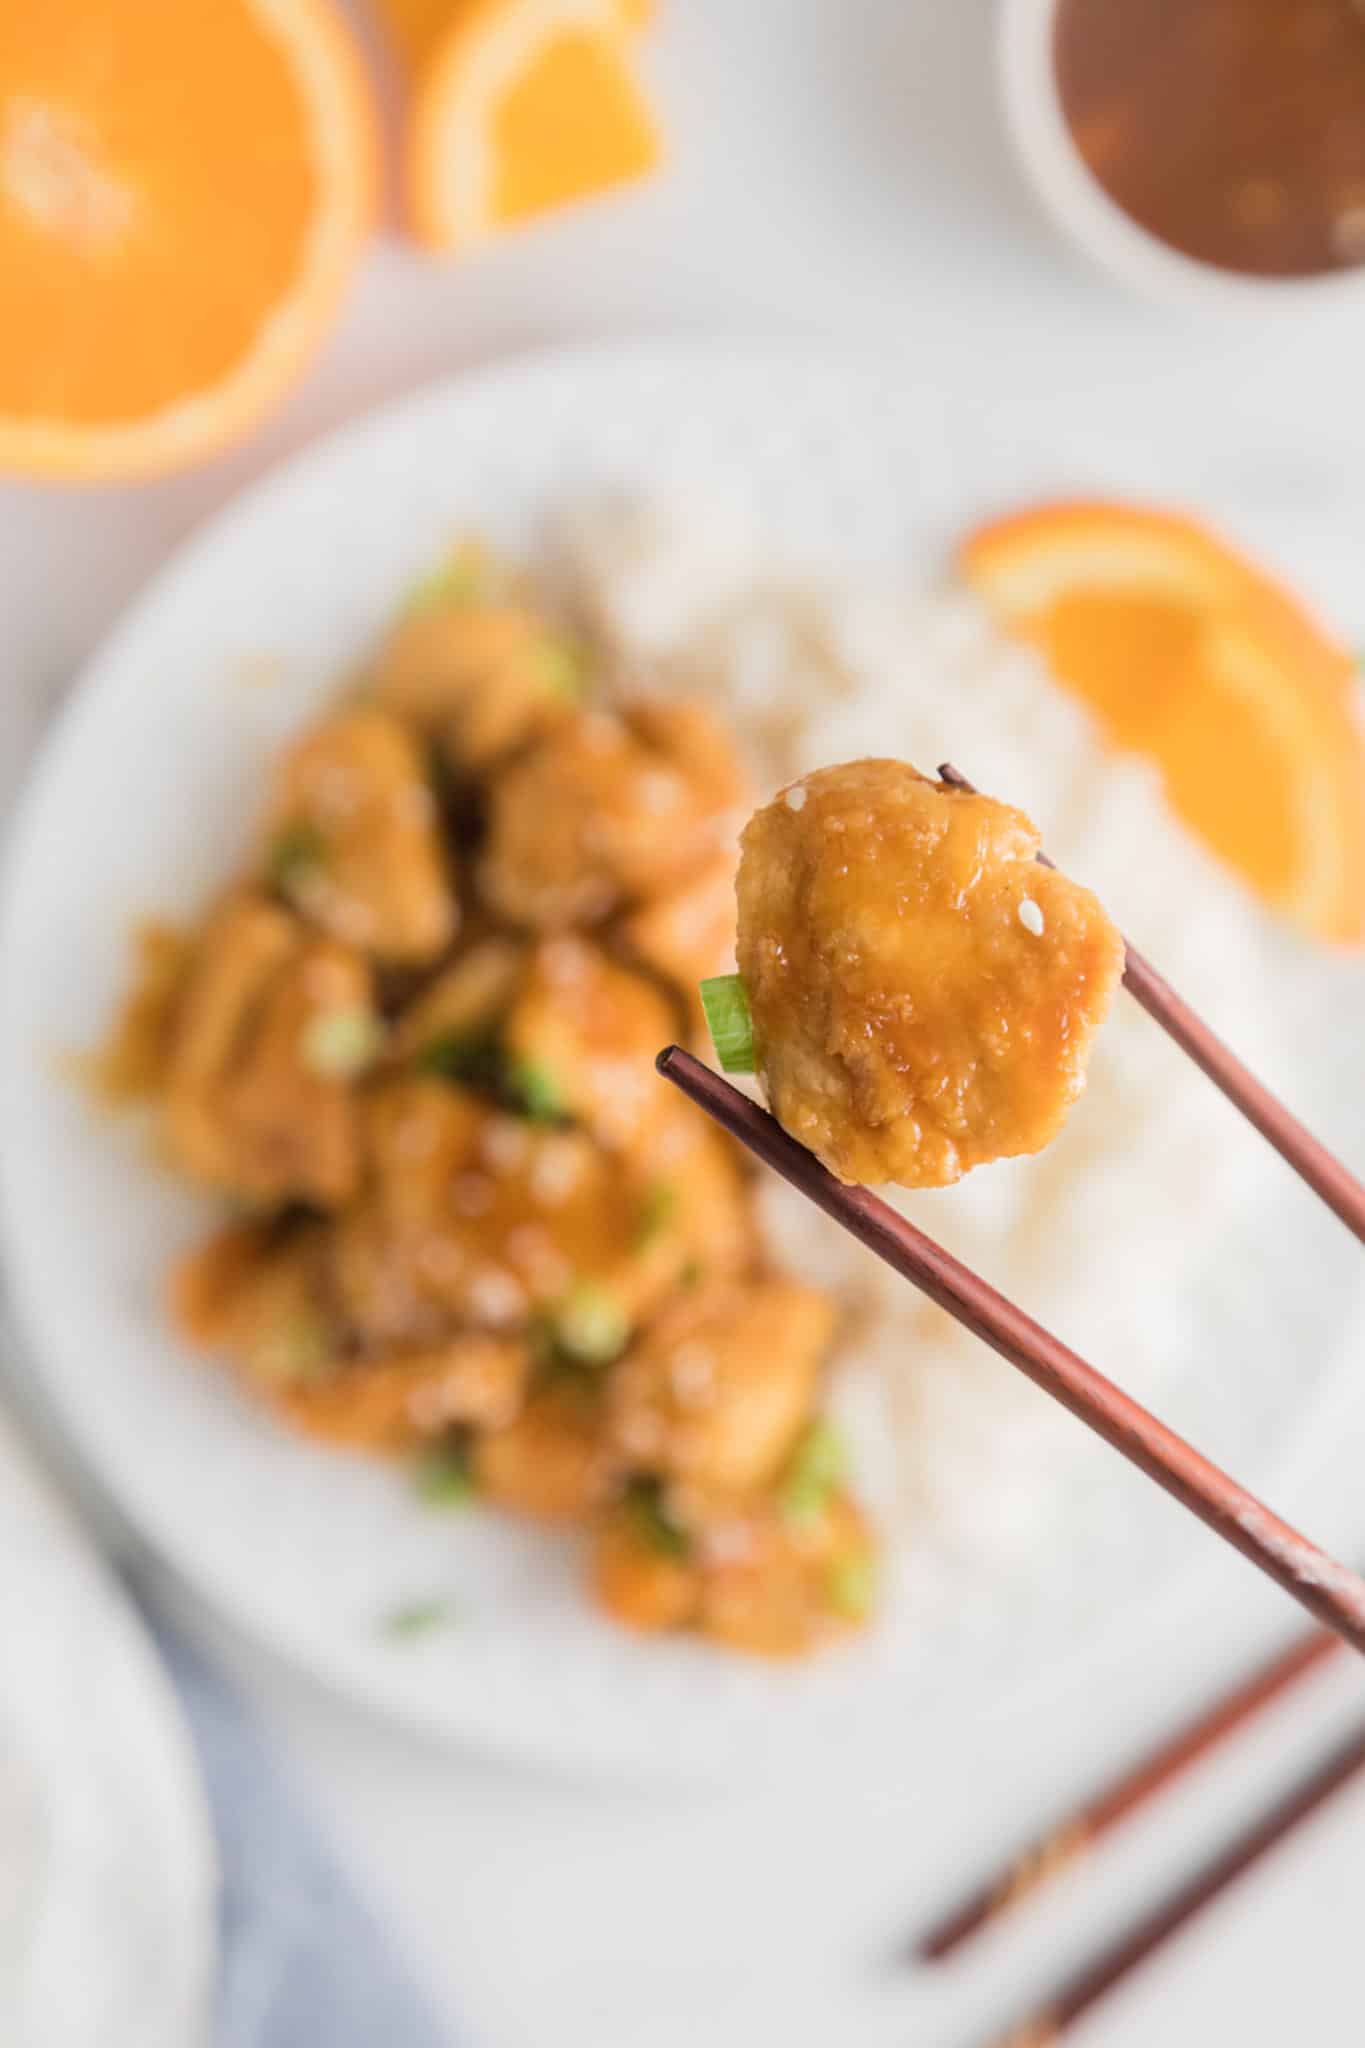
(415, 27)
(526, 106)
(1188, 652)
(183, 192)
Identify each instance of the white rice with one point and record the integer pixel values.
(1093, 1236)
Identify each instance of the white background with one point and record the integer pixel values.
(838, 170)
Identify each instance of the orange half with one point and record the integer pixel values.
(1188, 652)
(184, 186)
(526, 106)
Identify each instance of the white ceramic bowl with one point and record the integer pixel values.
(1081, 207)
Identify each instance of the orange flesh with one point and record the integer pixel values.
(1186, 652)
(1121, 653)
(571, 126)
(1142, 666)
(152, 225)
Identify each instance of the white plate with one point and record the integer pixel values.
(106, 1865)
(142, 802)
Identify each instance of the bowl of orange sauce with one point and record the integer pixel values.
(1201, 151)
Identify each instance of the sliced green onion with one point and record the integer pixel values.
(338, 1044)
(444, 1478)
(534, 1092)
(651, 1521)
(462, 578)
(462, 1056)
(293, 1350)
(816, 1467)
(417, 1618)
(563, 668)
(298, 851)
(590, 1326)
(851, 1585)
(732, 1028)
(656, 1213)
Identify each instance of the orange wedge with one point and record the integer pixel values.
(1188, 652)
(184, 186)
(526, 106)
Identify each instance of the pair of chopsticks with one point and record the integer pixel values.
(1330, 1591)
(1072, 1840)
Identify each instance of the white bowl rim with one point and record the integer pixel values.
(1094, 222)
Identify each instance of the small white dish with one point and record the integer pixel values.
(106, 1861)
(1095, 223)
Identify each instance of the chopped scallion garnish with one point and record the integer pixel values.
(816, 1467)
(462, 578)
(656, 1213)
(732, 1028)
(417, 1618)
(533, 1090)
(463, 1056)
(444, 1478)
(851, 1585)
(651, 1521)
(563, 668)
(298, 851)
(590, 1326)
(292, 1349)
(338, 1044)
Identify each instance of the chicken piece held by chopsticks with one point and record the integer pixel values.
(921, 994)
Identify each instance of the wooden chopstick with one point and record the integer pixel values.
(1072, 1840)
(1331, 1593)
(1051, 2021)
(1328, 1177)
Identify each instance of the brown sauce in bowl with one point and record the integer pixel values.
(1233, 130)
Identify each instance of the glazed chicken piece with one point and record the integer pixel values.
(406, 1399)
(718, 1388)
(553, 1461)
(581, 1038)
(462, 1009)
(774, 1586)
(745, 1573)
(479, 679)
(274, 1318)
(264, 1295)
(272, 1026)
(688, 935)
(481, 1219)
(353, 839)
(924, 994)
(558, 1030)
(609, 809)
(479, 1233)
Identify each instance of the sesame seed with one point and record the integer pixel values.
(692, 1372)
(555, 1174)
(1031, 917)
(728, 1542)
(504, 1144)
(495, 1297)
(796, 797)
(641, 1434)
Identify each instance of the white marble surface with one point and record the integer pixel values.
(839, 171)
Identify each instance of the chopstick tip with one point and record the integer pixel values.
(667, 1060)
